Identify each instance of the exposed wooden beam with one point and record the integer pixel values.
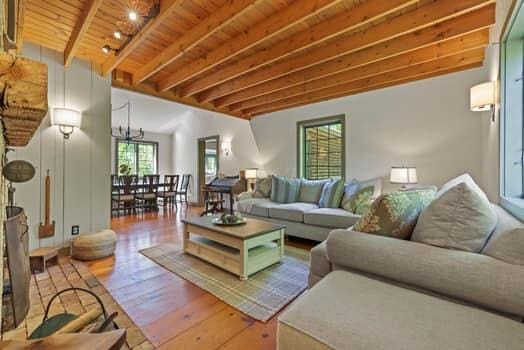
(80, 29)
(473, 21)
(296, 12)
(20, 16)
(213, 23)
(122, 80)
(166, 9)
(412, 21)
(467, 58)
(377, 87)
(346, 21)
(450, 47)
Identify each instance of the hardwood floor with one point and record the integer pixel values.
(173, 313)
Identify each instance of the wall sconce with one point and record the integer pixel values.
(226, 148)
(483, 97)
(67, 120)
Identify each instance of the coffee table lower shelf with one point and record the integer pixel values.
(242, 257)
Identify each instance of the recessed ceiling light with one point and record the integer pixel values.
(133, 16)
(117, 34)
(106, 49)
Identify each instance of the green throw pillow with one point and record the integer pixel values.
(285, 189)
(350, 189)
(361, 200)
(263, 187)
(395, 214)
(332, 194)
(311, 190)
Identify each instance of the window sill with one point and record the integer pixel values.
(515, 205)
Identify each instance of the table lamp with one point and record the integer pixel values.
(251, 176)
(403, 175)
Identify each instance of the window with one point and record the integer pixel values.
(140, 156)
(512, 115)
(321, 148)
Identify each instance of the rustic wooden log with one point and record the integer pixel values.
(23, 97)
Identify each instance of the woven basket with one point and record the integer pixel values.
(94, 245)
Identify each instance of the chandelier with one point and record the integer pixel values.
(126, 133)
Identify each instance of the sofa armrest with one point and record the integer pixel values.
(245, 195)
(471, 277)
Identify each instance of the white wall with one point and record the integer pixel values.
(195, 124)
(87, 157)
(426, 124)
(165, 147)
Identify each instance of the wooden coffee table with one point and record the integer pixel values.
(241, 250)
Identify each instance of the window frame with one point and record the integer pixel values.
(301, 146)
(122, 140)
(511, 203)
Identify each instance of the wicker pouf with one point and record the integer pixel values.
(94, 246)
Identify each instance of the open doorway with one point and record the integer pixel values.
(207, 162)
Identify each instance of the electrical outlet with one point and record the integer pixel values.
(75, 229)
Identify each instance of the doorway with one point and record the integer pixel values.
(207, 162)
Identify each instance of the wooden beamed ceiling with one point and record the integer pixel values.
(250, 57)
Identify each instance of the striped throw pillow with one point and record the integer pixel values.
(332, 194)
(285, 189)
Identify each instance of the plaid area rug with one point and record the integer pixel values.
(261, 296)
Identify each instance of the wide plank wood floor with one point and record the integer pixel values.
(172, 312)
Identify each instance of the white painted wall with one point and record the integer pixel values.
(194, 124)
(426, 124)
(87, 158)
(165, 157)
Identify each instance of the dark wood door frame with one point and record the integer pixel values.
(201, 148)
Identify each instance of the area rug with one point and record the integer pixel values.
(261, 296)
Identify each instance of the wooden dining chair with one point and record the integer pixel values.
(125, 198)
(169, 190)
(114, 192)
(147, 197)
(184, 185)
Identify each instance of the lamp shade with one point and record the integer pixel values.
(403, 175)
(251, 173)
(483, 96)
(67, 117)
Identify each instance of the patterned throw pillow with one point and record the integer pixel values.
(332, 194)
(310, 191)
(361, 201)
(285, 189)
(395, 214)
(350, 189)
(263, 187)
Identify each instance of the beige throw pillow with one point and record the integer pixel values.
(506, 243)
(459, 219)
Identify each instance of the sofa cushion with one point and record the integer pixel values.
(350, 189)
(263, 187)
(464, 178)
(395, 214)
(348, 311)
(471, 277)
(332, 193)
(285, 189)
(459, 219)
(310, 191)
(291, 212)
(330, 217)
(507, 241)
(262, 208)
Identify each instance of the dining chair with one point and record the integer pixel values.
(114, 192)
(126, 195)
(184, 185)
(169, 190)
(147, 198)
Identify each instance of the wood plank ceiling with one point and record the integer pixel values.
(250, 57)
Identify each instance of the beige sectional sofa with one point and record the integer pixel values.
(375, 292)
(305, 220)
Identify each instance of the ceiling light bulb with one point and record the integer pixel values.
(106, 49)
(133, 16)
(117, 34)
